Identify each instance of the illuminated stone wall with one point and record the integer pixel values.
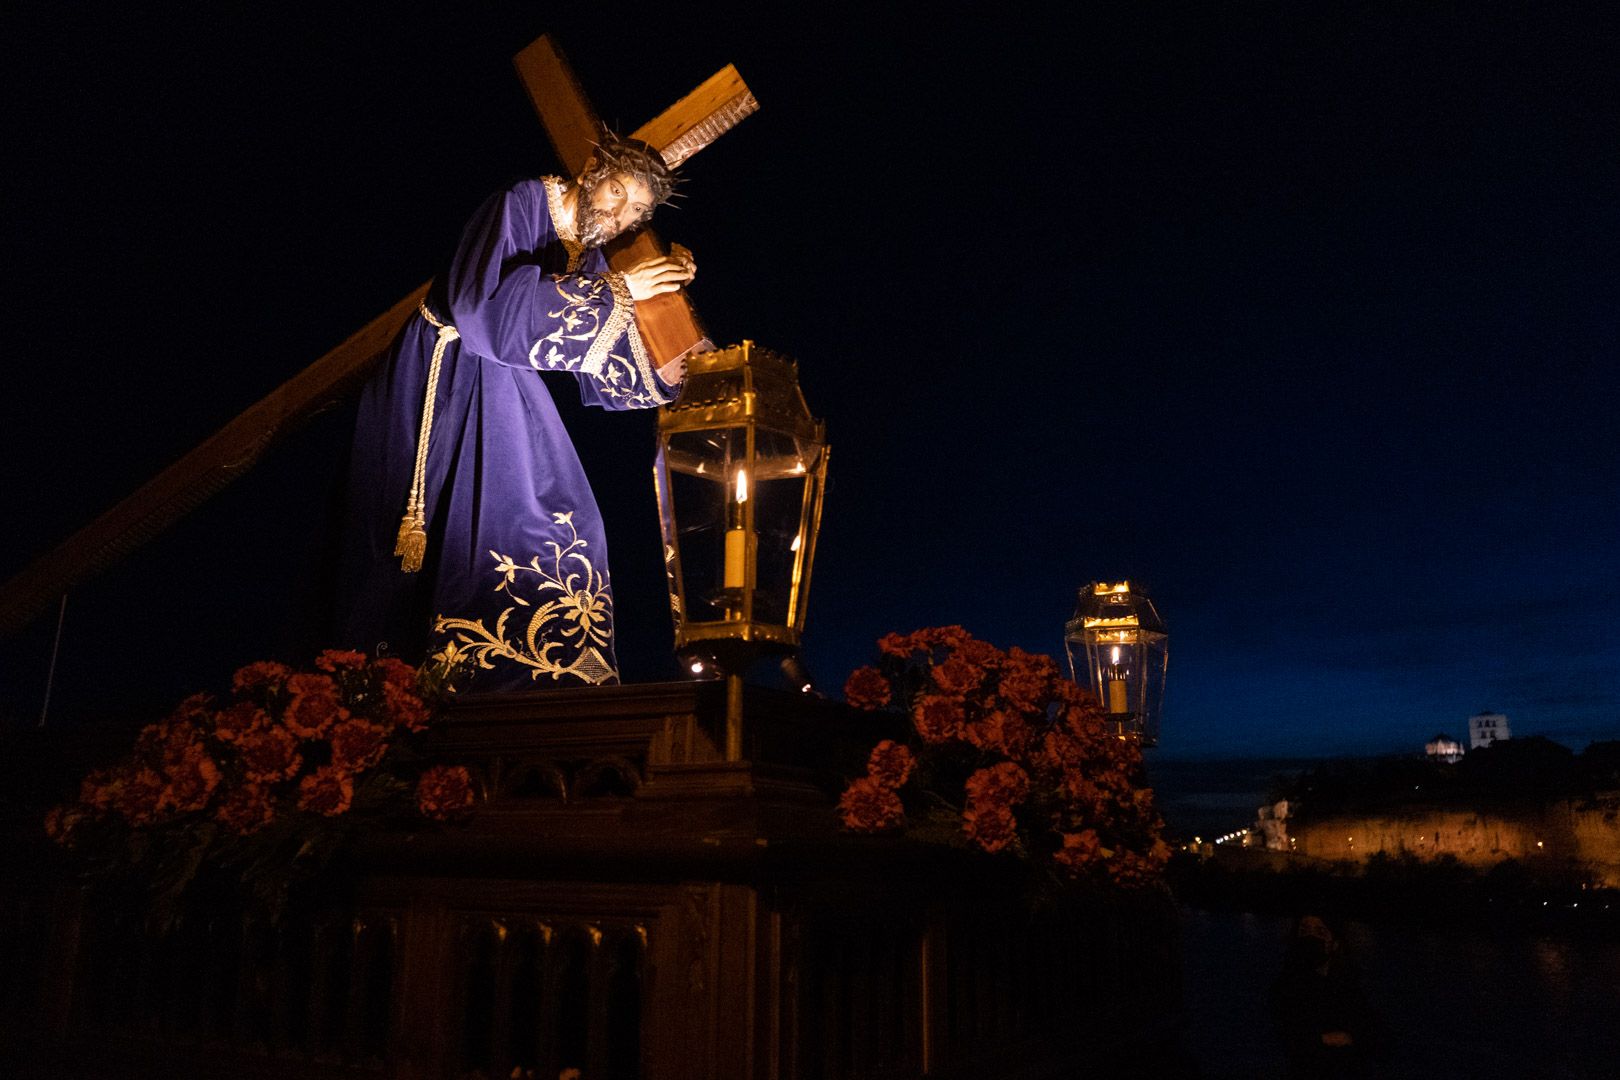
(1563, 831)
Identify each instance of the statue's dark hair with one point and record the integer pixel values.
(618, 154)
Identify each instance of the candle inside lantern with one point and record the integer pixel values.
(737, 538)
(736, 555)
(1118, 701)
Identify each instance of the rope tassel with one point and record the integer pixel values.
(411, 542)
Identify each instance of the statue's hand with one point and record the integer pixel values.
(660, 275)
(674, 372)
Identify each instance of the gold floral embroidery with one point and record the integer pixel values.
(566, 634)
(628, 380)
(578, 320)
(622, 317)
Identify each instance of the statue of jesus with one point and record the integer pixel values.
(471, 531)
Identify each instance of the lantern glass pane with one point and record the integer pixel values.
(777, 523)
(712, 454)
(783, 464)
(707, 472)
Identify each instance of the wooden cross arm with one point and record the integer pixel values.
(718, 104)
(206, 470)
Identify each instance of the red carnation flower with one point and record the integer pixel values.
(1084, 718)
(1079, 790)
(269, 755)
(1025, 690)
(890, 764)
(957, 676)
(978, 653)
(406, 708)
(357, 744)
(937, 719)
(444, 791)
(1079, 850)
(191, 781)
(257, 677)
(869, 806)
(1130, 870)
(397, 673)
(993, 827)
(998, 785)
(866, 688)
(335, 660)
(327, 790)
(62, 822)
(314, 706)
(100, 789)
(193, 710)
(943, 637)
(166, 742)
(1061, 751)
(239, 720)
(136, 795)
(247, 809)
(899, 645)
(1003, 732)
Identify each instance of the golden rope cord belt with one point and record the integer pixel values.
(411, 545)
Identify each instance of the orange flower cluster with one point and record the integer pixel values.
(444, 791)
(872, 803)
(1020, 749)
(286, 739)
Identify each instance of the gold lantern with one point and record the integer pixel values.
(741, 471)
(1118, 646)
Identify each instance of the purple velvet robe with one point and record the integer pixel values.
(515, 577)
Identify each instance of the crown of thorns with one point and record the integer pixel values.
(616, 153)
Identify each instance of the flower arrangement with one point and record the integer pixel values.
(269, 782)
(1006, 755)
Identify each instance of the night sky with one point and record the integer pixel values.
(1303, 320)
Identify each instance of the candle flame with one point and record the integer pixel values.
(742, 485)
(795, 545)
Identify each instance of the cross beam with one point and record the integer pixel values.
(668, 324)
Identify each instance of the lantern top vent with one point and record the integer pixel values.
(1107, 605)
(742, 385)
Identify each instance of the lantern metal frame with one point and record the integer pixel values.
(752, 390)
(1108, 618)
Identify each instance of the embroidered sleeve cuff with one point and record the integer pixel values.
(656, 388)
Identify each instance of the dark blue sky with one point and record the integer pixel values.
(1303, 319)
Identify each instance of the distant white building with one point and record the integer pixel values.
(1444, 748)
(1272, 825)
(1485, 728)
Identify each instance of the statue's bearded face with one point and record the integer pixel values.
(611, 204)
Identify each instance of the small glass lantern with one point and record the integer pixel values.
(1118, 646)
(741, 470)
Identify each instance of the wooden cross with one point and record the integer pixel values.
(669, 326)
